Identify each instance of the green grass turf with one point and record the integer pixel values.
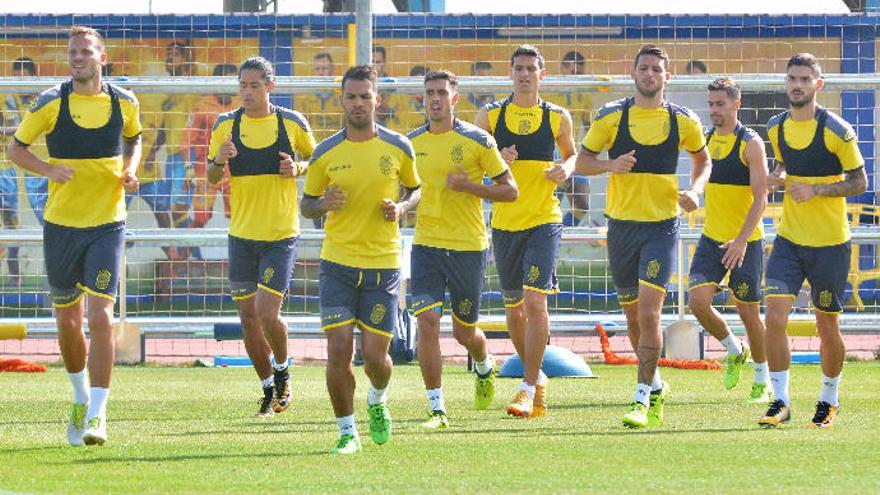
(190, 430)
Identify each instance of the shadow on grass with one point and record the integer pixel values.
(186, 458)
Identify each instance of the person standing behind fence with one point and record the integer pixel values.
(643, 135)
(355, 177)
(198, 139)
(733, 236)
(257, 142)
(93, 136)
(526, 233)
(820, 164)
(13, 108)
(450, 247)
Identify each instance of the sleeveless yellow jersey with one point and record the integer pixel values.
(358, 235)
(649, 193)
(263, 204)
(728, 192)
(537, 203)
(450, 219)
(94, 195)
(822, 220)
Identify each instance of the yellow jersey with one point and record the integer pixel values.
(263, 203)
(358, 235)
(815, 151)
(87, 125)
(450, 219)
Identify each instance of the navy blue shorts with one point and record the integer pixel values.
(434, 269)
(264, 264)
(83, 260)
(640, 252)
(367, 297)
(826, 268)
(745, 280)
(526, 259)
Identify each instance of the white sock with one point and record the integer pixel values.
(80, 386)
(542, 378)
(642, 394)
(435, 399)
(98, 402)
(268, 382)
(485, 366)
(346, 425)
(732, 344)
(657, 382)
(762, 372)
(779, 379)
(530, 389)
(280, 366)
(829, 390)
(376, 396)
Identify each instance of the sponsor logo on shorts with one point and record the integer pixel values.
(825, 299)
(457, 153)
(653, 269)
(525, 126)
(385, 164)
(534, 273)
(742, 290)
(268, 273)
(378, 314)
(465, 307)
(331, 317)
(102, 281)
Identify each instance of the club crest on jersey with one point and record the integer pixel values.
(457, 153)
(525, 126)
(385, 164)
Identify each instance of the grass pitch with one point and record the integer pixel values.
(191, 430)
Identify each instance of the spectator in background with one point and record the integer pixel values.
(409, 109)
(577, 188)
(176, 119)
(695, 67)
(321, 108)
(471, 103)
(385, 111)
(199, 137)
(13, 107)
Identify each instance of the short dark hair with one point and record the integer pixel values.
(480, 65)
(574, 57)
(530, 51)
(25, 64)
(225, 70)
(696, 64)
(185, 47)
(418, 70)
(380, 49)
(654, 50)
(260, 64)
(805, 60)
(324, 55)
(360, 73)
(726, 84)
(442, 75)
